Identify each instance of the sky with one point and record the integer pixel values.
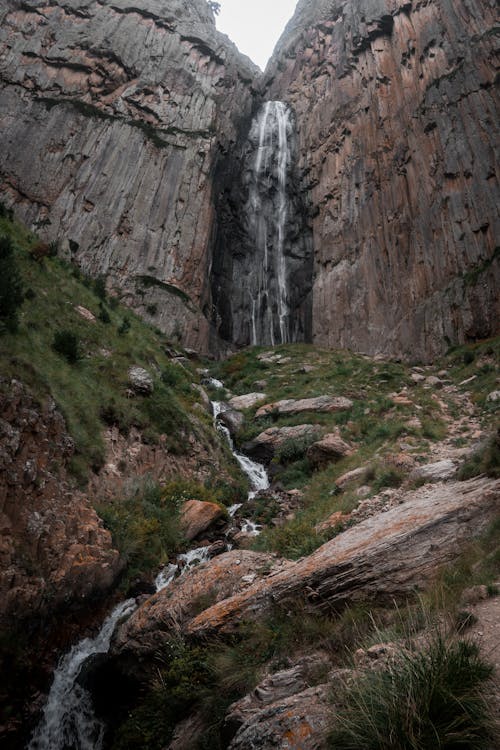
(255, 25)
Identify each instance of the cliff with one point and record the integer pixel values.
(397, 112)
(112, 119)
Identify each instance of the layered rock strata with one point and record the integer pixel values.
(395, 101)
(113, 118)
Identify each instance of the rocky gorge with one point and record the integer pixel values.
(392, 191)
(249, 374)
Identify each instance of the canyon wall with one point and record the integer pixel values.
(397, 128)
(113, 117)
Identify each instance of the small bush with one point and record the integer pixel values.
(100, 287)
(486, 460)
(124, 327)
(66, 344)
(429, 699)
(11, 291)
(294, 449)
(6, 213)
(469, 357)
(104, 315)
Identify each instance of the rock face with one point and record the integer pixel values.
(386, 556)
(197, 516)
(112, 119)
(397, 131)
(53, 547)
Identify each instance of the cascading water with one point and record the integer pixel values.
(267, 212)
(69, 721)
(68, 718)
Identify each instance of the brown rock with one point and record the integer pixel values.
(336, 519)
(265, 445)
(329, 449)
(318, 404)
(198, 516)
(384, 557)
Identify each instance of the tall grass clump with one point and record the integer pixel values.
(425, 700)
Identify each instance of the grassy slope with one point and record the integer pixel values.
(377, 426)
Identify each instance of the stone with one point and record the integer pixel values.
(329, 449)
(319, 404)
(197, 516)
(351, 476)
(436, 472)
(493, 397)
(85, 314)
(337, 519)
(232, 419)
(433, 382)
(246, 401)
(51, 539)
(140, 381)
(417, 378)
(203, 395)
(382, 558)
(265, 445)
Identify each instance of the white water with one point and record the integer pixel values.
(256, 473)
(267, 213)
(68, 718)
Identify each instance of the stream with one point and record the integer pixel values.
(68, 721)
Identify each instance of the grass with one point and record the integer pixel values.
(431, 698)
(87, 371)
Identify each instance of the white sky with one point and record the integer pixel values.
(255, 25)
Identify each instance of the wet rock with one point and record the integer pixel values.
(436, 472)
(197, 517)
(246, 401)
(329, 449)
(318, 404)
(232, 419)
(140, 381)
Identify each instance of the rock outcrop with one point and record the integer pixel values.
(54, 550)
(113, 117)
(395, 101)
(385, 557)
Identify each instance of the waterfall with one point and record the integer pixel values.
(267, 213)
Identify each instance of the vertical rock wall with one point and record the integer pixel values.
(112, 119)
(395, 101)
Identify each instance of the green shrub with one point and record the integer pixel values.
(145, 527)
(124, 327)
(104, 315)
(469, 357)
(486, 460)
(294, 449)
(423, 700)
(66, 344)
(11, 292)
(100, 287)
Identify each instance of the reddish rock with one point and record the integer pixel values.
(53, 547)
(197, 517)
(329, 449)
(397, 124)
(296, 406)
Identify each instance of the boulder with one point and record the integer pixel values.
(265, 445)
(246, 401)
(140, 381)
(351, 476)
(436, 472)
(198, 516)
(232, 419)
(387, 556)
(318, 404)
(493, 397)
(329, 449)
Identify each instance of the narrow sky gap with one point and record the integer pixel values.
(255, 26)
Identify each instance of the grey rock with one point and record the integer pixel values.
(247, 401)
(436, 472)
(140, 381)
